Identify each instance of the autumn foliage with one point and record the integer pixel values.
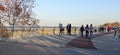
(114, 24)
(16, 12)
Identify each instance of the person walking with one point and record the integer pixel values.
(82, 30)
(61, 28)
(87, 30)
(91, 30)
(69, 29)
(109, 28)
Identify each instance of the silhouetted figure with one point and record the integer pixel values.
(82, 30)
(102, 29)
(109, 28)
(91, 30)
(68, 29)
(61, 28)
(87, 30)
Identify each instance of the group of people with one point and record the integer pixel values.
(103, 29)
(68, 28)
(88, 30)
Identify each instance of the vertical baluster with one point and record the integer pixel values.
(75, 30)
(43, 31)
(53, 31)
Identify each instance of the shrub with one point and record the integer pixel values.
(3, 32)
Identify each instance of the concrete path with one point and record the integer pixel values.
(36, 45)
(54, 45)
(106, 45)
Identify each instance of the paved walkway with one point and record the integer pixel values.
(106, 45)
(54, 45)
(83, 42)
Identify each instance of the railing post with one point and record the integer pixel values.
(22, 31)
(79, 30)
(53, 31)
(43, 31)
(75, 30)
(119, 33)
(12, 30)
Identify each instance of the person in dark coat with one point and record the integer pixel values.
(82, 30)
(68, 29)
(87, 30)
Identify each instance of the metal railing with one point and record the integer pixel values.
(37, 31)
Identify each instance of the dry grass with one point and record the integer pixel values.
(4, 33)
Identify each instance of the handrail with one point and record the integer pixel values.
(42, 30)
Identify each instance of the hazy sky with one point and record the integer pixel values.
(77, 12)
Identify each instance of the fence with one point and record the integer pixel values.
(35, 31)
(17, 31)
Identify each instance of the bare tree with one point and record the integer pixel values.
(17, 12)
